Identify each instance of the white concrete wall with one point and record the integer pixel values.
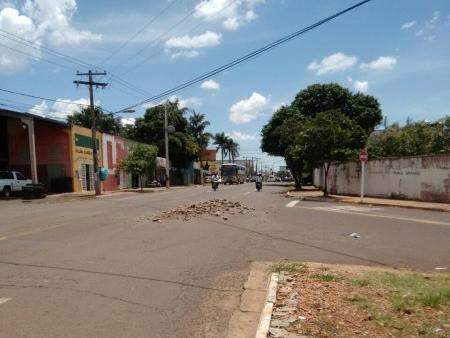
(424, 178)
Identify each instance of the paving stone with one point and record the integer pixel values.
(275, 332)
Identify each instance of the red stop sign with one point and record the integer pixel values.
(363, 155)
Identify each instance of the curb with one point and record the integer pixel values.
(266, 314)
(339, 200)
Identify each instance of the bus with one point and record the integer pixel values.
(232, 173)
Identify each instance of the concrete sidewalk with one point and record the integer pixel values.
(313, 194)
(68, 196)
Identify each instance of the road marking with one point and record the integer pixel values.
(246, 193)
(4, 300)
(417, 220)
(348, 208)
(292, 204)
(3, 238)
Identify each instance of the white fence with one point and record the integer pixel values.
(423, 178)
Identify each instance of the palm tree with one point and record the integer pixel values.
(197, 126)
(221, 141)
(232, 149)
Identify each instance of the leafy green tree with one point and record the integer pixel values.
(279, 135)
(106, 123)
(331, 137)
(363, 109)
(141, 160)
(318, 98)
(149, 129)
(415, 138)
(273, 141)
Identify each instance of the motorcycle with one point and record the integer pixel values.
(258, 185)
(215, 185)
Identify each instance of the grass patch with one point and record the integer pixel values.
(410, 292)
(326, 277)
(291, 267)
(360, 282)
(354, 302)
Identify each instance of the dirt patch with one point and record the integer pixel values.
(328, 301)
(218, 207)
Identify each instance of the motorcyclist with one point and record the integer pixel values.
(214, 180)
(258, 181)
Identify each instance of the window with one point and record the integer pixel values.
(20, 177)
(6, 175)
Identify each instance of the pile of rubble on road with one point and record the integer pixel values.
(217, 207)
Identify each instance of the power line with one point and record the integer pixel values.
(41, 97)
(152, 20)
(161, 36)
(35, 56)
(73, 60)
(246, 57)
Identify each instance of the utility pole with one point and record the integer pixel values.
(91, 83)
(166, 141)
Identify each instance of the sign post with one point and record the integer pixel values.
(363, 157)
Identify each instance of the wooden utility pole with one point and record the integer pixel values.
(166, 141)
(91, 83)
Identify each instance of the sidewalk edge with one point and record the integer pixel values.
(343, 200)
(266, 314)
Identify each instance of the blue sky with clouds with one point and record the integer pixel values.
(398, 51)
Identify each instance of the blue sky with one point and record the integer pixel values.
(398, 51)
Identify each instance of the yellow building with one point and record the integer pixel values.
(81, 158)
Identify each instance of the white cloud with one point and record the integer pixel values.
(59, 110)
(233, 13)
(426, 32)
(232, 23)
(382, 63)
(361, 86)
(207, 39)
(250, 16)
(210, 84)
(333, 63)
(127, 121)
(189, 102)
(53, 18)
(188, 54)
(408, 25)
(38, 21)
(238, 136)
(211, 10)
(39, 109)
(247, 110)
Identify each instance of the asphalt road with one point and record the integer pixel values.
(102, 268)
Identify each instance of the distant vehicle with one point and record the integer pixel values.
(232, 173)
(12, 181)
(271, 178)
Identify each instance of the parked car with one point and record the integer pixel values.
(12, 181)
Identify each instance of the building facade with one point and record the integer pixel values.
(37, 147)
(82, 158)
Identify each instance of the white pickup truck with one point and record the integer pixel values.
(12, 181)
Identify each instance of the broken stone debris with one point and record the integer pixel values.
(218, 207)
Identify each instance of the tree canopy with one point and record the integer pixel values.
(140, 160)
(415, 138)
(149, 129)
(305, 132)
(106, 123)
